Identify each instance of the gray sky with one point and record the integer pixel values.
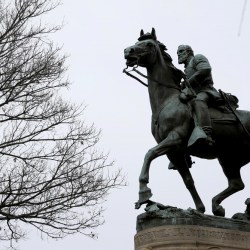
(95, 35)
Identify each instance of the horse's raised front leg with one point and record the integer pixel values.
(235, 184)
(173, 140)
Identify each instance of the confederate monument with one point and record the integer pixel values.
(190, 117)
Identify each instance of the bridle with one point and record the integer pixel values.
(141, 74)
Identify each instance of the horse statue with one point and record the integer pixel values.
(173, 124)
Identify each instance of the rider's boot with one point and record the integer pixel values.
(203, 119)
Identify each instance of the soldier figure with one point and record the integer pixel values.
(199, 83)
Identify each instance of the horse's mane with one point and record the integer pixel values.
(178, 74)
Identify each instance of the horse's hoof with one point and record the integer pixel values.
(144, 195)
(201, 209)
(147, 202)
(219, 211)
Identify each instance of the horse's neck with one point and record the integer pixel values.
(162, 91)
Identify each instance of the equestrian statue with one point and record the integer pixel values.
(189, 118)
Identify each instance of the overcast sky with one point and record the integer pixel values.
(94, 36)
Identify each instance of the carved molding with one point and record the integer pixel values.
(191, 237)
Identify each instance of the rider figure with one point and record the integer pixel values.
(199, 83)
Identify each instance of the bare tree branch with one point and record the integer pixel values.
(51, 176)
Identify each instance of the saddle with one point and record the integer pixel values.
(221, 104)
(227, 103)
(222, 110)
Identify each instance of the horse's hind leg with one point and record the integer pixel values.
(235, 184)
(182, 166)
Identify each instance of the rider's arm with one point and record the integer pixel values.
(202, 70)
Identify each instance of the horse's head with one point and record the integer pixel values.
(150, 53)
(144, 53)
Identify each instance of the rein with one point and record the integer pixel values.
(141, 74)
(136, 78)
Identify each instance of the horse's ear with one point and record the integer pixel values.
(153, 34)
(141, 33)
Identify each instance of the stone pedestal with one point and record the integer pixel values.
(177, 229)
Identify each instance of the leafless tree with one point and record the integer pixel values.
(51, 176)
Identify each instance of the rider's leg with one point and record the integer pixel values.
(200, 108)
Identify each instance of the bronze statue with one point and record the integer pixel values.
(175, 129)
